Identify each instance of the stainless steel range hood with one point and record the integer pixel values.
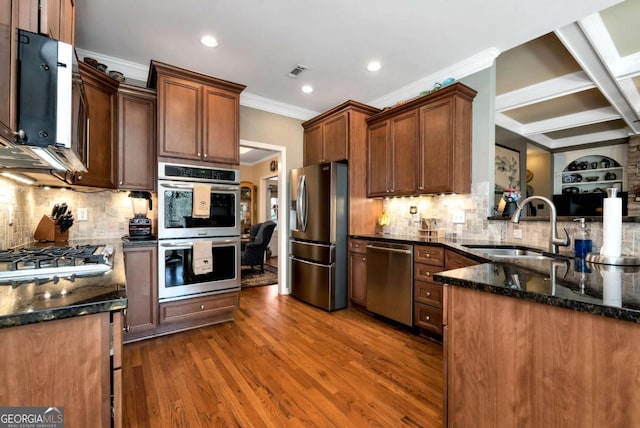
(24, 157)
(52, 110)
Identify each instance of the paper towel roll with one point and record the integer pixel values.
(612, 288)
(611, 227)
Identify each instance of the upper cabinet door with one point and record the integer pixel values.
(179, 118)
(378, 160)
(221, 129)
(335, 138)
(136, 138)
(445, 146)
(8, 52)
(404, 167)
(101, 93)
(313, 152)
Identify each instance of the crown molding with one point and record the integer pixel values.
(130, 69)
(266, 104)
(471, 65)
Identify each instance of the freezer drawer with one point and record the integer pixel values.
(321, 253)
(314, 283)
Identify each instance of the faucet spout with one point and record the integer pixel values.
(554, 240)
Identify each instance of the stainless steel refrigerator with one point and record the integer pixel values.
(318, 240)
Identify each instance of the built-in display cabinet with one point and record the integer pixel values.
(591, 170)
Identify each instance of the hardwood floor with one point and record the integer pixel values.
(283, 363)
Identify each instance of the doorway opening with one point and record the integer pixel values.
(265, 166)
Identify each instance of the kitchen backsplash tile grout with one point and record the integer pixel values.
(108, 212)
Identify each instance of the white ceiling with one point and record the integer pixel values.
(418, 42)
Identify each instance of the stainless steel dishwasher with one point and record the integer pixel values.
(390, 281)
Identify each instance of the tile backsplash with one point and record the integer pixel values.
(476, 226)
(108, 212)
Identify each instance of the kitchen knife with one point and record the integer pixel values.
(54, 211)
(62, 210)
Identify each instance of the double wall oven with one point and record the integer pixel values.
(178, 230)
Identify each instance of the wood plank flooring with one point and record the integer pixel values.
(283, 363)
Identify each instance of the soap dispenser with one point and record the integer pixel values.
(582, 241)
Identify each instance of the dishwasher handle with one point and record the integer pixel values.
(391, 250)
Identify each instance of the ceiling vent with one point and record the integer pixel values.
(297, 70)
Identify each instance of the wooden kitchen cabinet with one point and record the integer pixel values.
(248, 205)
(341, 134)
(136, 138)
(54, 18)
(101, 91)
(141, 270)
(445, 144)
(427, 294)
(393, 155)
(358, 272)
(8, 68)
(328, 140)
(422, 146)
(453, 260)
(513, 362)
(66, 363)
(199, 311)
(198, 115)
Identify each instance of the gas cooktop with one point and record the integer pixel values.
(45, 264)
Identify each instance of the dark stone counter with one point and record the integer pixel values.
(563, 282)
(127, 242)
(28, 302)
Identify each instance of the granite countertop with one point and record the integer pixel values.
(151, 242)
(28, 302)
(567, 282)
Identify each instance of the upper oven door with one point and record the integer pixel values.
(175, 208)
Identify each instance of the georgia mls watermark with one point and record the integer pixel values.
(31, 417)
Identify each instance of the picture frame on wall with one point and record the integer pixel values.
(507, 169)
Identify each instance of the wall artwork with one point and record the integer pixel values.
(507, 169)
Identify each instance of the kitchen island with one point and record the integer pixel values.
(61, 341)
(541, 343)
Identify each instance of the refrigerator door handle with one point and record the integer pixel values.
(303, 203)
(308, 262)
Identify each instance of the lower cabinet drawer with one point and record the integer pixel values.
(427, 317)
(429, 294)
(197, 308)
(422, 272)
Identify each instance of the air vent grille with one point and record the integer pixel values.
(297, 70)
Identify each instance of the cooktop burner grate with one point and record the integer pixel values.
(48, 263)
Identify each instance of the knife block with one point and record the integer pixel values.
(48, 231)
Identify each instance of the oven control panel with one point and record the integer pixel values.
(197, 173)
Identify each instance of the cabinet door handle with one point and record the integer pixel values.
(126, 327)
(202, 307)
(364, 259)
(427, 273)
(204, 155)
(20, 134)
(428, 294)
(427, 318)
(199, 154)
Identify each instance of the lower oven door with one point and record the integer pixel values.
(176, 277)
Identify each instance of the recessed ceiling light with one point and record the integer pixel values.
(307, 89)
(374, 66)
(209, 41)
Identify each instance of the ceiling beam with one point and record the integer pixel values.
(595, 66)
(573, 120)
(543, 91)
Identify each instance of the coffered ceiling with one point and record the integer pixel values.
(579, 84)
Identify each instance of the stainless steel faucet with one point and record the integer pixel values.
(554, 241)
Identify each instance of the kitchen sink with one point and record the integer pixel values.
(509, 252)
